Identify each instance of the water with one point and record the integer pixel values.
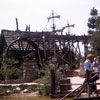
(31, 98)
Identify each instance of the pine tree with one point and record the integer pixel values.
(95, 38)
(92, 20)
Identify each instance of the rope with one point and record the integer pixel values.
(46, 25)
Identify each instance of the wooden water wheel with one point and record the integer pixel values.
(22, 47)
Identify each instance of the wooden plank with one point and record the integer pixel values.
(80, 92)
(69, 93)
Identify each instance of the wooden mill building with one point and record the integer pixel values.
(38, 47)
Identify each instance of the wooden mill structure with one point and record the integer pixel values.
(43, 45)
(36, 48)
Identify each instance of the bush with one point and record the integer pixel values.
(47, 90)
(2, 91)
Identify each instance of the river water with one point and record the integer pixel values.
(31, 98)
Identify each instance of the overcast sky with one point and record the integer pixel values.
(35, 13)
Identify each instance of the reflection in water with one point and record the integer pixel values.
(30, 98)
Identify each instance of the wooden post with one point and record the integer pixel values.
(53, 83)
(17, 23)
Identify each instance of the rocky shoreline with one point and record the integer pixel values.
(22, 94)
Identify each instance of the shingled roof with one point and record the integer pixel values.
(11, 36)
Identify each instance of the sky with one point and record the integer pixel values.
(36, 12)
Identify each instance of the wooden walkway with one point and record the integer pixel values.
(81, 88)
(79, 85)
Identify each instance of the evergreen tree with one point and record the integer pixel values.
(98, 24)
(92, 20)
(95, 38)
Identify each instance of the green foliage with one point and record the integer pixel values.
(2, 91)
(46, 71)
(98, 24)
(94, 12)
(31, 89)
(45, 79)
(95, 42)
(8, 68)
(46, 90)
